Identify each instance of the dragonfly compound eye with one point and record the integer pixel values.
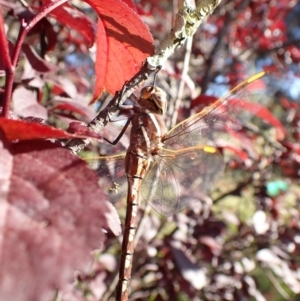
(157, 96)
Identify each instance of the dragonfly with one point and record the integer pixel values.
(168, 169)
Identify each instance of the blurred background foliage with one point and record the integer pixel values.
(243, 241)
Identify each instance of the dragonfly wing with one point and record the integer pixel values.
(112, 176)
(211, 125)
(178, 177)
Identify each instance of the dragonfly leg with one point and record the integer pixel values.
(158, 68)
(120, 135)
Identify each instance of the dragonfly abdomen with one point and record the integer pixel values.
(134, 184)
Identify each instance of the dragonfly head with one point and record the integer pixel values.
(154, 100)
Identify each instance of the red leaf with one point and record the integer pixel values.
(123, 43)
(36, 61)
(68, 107)
(26, 104)
(80, 128)
(42, 29)
(203, 100)
(292, 146)
(102, 61)
(20, 130)
(236, 150)
(53, 214)
(63, 86)
(70, 16)
(72, 107)
(130, 4)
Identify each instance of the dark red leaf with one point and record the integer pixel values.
(203, 100)
(295, 54)
(72, 108)
(293, 146)
(79, 128)
(42, 30)
(36, 61)
(241, 154)
(21, 130)
(54, 214)
(57, 89)
(68, 107)
(76, 20)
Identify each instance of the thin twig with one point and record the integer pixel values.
(283, 45)
(234, 191)
(24, 29)
(209, 62)
(186, 64)
(111, 289)
(277, 286)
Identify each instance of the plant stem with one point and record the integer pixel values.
(24, 29)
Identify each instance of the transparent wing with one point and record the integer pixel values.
(112, 176)
(211, 125)
(178, 177)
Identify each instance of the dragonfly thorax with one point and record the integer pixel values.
(147, 131)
